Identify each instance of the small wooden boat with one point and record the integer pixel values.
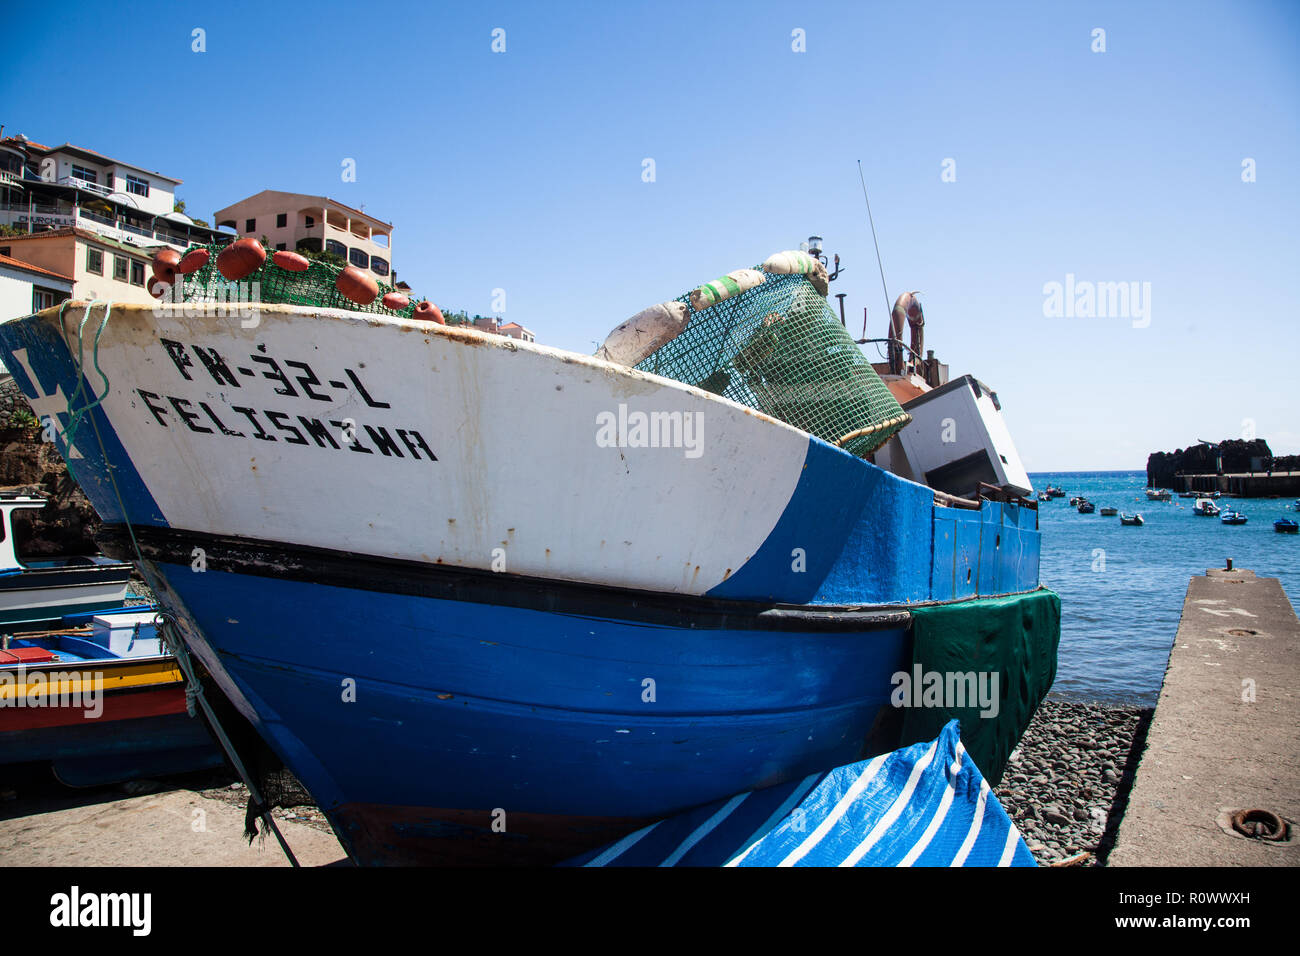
(1286, 526)
(1086, 507)
(1077, 500)
(1130, 519)
(1158, 494)
(1232, 517)
(1186, 494)
(1044, 497)
(1109, 512)
(1052, 492)
(101, 699)
(1205, 507)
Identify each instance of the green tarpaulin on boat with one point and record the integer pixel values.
(1013, 637)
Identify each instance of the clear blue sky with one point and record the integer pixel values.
(523, 170)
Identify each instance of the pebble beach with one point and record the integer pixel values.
(1067, 782)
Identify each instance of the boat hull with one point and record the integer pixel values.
(51, 591)
(406, 714)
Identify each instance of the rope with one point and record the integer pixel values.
(167, 622)
(77, 415)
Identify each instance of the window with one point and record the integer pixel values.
(136, 185)
(280, 247)
(337, 248)
(378, 266)
(46, 298)
(95, 261)
(137, 272)
(4, 251)
(310, 221)
(120, 268)
(282, 220)
(358, 258)
(108, 180)
(81, 172)
(250, 225)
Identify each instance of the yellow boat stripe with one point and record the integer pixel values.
(94, 674)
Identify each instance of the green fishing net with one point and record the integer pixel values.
(779, 348)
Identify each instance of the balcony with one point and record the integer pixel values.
(84, 184)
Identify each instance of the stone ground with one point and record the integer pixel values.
(196, 820)
(1067, 783)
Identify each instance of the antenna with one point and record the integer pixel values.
(873, 238)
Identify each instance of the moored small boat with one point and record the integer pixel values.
(1135, 519)
(1286, 526)
(1205, 508)
(1232, 517)
(1086, 507)
(1109, 512)
(1158, 494)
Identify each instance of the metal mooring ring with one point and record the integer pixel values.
(1259, 824)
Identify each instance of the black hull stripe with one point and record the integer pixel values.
(368, 573)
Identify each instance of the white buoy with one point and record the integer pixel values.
(646, 331)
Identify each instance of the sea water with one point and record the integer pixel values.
(1122, 587)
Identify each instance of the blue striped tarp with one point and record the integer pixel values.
(924, 805)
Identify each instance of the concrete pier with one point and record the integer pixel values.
(1226, 732)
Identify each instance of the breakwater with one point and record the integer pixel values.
(1212, 465)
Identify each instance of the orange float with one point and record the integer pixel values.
(241, 258)
(164, 264)
(291, 261)
(396, 301)
(194, 260)
(426, 311)
(357, 286)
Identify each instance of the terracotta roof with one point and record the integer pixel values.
(13, 263)
(22, 142)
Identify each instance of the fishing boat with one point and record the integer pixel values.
(1232, 517)
(1044, 497)
(1285, 526)
(1109, 512)
(1158, 494)
(1134, 519)
(99, 698)
(1086, 507)
(1077, 500)
(1205, 507)
(1052, 492)
(32, 592)
(492, 601)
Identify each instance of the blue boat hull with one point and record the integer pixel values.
(422, 721)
